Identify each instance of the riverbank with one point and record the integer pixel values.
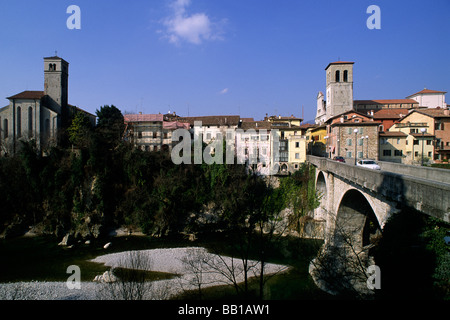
(41, 264)
(214, 270)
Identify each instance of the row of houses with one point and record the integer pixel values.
(395, 135)
(409, 131)
(275, 141)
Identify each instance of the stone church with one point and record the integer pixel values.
(39, 115)
(339, 91)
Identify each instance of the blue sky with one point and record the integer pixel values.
(211, 57)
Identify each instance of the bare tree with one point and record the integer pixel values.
(341, 265)
(128, 280)
(196, 264)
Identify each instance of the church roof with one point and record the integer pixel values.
(339, 62)
(385, 101)
(425, 91)
(28, 95)
(55, 58)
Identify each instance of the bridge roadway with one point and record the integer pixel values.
(423, 188)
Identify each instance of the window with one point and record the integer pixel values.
(429, 154)
(361, 131)
(439, 126)
(398, 153)
(360, 154)
(338, 75)
(5, 128)
(387, 153)
(19, 122)
(297, 156)
(139, 135)
(428, 142)
(398, 140)
(383, 141)
(416, 154)
(345, 75)
(349, 142)
(155, 134)
(349, 154)
(30, 122)
(349, 130)
(361, 142)
(47, 128)
(208, 136)
(297, 144)
(416, 142)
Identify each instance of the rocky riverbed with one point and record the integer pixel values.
(193, 266)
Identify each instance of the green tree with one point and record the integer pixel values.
(79, 130)
(110, 125)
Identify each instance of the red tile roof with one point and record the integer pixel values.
(425, 91)
(173, 125)
(257, 125)
(393, 134)
(28, 95)
(395, 113)
(435, 112)
(212, 120)
(386, 101)
(143, 117)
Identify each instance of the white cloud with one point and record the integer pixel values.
(193, 28)
(224, 91)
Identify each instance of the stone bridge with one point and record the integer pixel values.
(356, 202)
(349, 190)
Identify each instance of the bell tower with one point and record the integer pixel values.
(56, 82)
(339, 94)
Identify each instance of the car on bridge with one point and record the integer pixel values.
(339, 159)
(371, 164)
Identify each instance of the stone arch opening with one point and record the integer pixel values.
(321, 185)
(321, 188)
(357, 225)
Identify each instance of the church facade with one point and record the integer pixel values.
(39, 115)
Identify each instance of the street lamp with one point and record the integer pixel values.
(356, 144)
(423, 130)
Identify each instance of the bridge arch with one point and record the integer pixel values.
(357, 224)
(322, 189)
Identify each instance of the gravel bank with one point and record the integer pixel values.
(193, 265)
